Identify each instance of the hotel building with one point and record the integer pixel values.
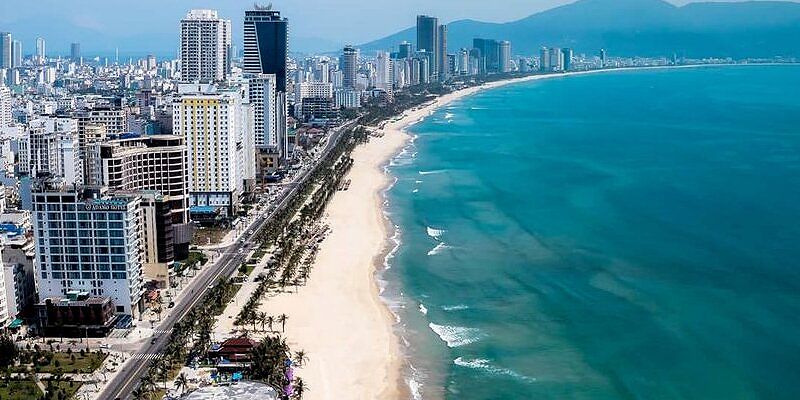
(89, 241)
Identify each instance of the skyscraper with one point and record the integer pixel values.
(505, 56)
(567, 52)
(205, 47)
(603, 58)
(266, 44)
(428, 40)
(5, 50)
(41, 53)
(349, 66)
(383, 73)
(75, 52)
(441, 53)
(544, 59)
(16, 53)
(215, 123)
(556, 59)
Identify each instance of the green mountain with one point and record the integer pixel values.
(639, 27)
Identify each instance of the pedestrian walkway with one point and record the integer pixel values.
(145, 356)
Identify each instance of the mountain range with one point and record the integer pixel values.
(638, 28)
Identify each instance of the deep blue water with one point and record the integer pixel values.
(625, 235)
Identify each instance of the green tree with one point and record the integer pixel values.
(8, 351)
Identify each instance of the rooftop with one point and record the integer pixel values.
(238, 391)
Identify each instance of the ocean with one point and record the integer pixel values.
(622, 235)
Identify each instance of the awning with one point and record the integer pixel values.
(15, 324)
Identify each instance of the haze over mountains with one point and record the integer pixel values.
(639, 27)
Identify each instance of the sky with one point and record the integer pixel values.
(134, 25)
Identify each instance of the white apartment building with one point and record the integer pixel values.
(261, 90)
(216, 125)
(5, 106)
(383, 73)
(205, 50)
(51, 147)
(307, 90)
(88, 241)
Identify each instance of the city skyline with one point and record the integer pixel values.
(95, 23)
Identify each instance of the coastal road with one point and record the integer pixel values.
(123, 383)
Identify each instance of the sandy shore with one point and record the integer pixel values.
(338, 318)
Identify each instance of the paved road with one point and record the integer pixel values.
(121, 386)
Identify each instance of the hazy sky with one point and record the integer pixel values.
(335, 21)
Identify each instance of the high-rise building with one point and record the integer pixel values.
(603, 58)
(405, 51)
(5, 50)
(556, 59)
(154, 167)
(5, 107)
(463, 62)
(215, 122)
(544, 59)
(41, 51)
(349, 66)
(489, 54)
(75, 52)
(262, 92)
(266, 44)
(505, 56)
(51, 148)
(88, 241)
(567, 55)
(428, 40)
(16, 53)
(441, 53)
(383, 73)
(205, 47)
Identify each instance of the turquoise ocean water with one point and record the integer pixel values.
(624, 235)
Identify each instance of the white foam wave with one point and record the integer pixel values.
(438, 249)
(456, 336)
(423, 309)
(418, 181)
(436, 171)
(433, 232)
(486, 366)
(457, 307)
(415, 191)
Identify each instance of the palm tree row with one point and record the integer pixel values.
(191, 336)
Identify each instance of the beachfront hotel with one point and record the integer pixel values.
(217, 125)
(89, 241)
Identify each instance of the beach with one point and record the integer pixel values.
(338, 318)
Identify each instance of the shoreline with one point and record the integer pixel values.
(340, 318)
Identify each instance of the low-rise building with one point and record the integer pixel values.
(75, 315)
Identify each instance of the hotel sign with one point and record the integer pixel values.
(91, 206)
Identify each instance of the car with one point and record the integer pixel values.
(171, 304)
(153, 341)
(105, 346)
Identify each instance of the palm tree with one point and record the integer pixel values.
(262, 318)
(300, 358)
(182, 382)
(299, 388)
(140, 393)
(282, 320)
(270, 322)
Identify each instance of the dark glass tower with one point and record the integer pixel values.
(428, 40)
(266, 44)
